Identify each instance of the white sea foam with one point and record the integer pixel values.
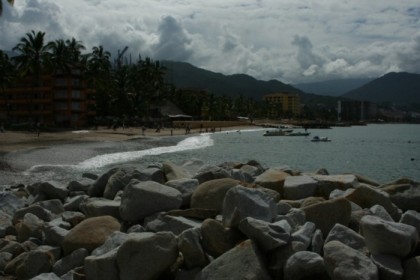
(191, 143)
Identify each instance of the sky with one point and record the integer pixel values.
(288, 40)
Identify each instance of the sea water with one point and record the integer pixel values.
(382, 152)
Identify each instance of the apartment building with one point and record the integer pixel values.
(289, 103)
(63, 100)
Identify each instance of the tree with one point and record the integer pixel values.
(7, 75)
(11, 2)
(32, 54)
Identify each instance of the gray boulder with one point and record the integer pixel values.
(348, 237)
(146, 254)
(395, 238)
(390, 267)
(344, 262)
(211, 172)
(240, 203)
(30, 264)
(267, 236)
(299, 187)
(95, 207)
(46, 276)
(380, 211)
(53, 189)
(114, 241)
(405, 194)
(174, 224)
(5, 223)
(73, 203)
(189, 245)
(411, 218)
(69, 262)
(116, 182)
(186, 187)
(272, 179)
(412, 268)
(327, 183)
(5, 257)
(30, 226)
(73, 217)
(304, 234)
(36, 210)
(142, 199)
(54, 235)
(317, 242)
(235, 264)
(217, 239)
(151, 173)
(55, 206)
(103, 266)
(98, 187)
(210, 194)
(305, 265)
(174, 172)
(80, 185)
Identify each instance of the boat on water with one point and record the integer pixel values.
(298, 133)
(278, 132)
(320, 139)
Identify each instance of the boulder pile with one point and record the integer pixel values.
(200, 221)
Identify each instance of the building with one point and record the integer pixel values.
(63, 100)
(288, 103)
(354, 110)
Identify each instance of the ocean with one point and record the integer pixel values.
(381, 152)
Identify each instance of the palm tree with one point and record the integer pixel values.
(59, 60)
(11, 2)
(75, 48)
(32, 54)
(7, 74)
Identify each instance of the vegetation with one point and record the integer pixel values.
(1, 5)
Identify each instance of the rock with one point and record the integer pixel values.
(104, 266)
(395, 238)
(30, 264)
(55, 206)
(337, 211)
(412, 268)
(98, 187)
(136, 228)
(304, 234)
(54, 235)
(311, 201)
(267, 236)
(380, 211)
(46, 276)
(116, 182)
(189, 245)
(174, 172)
(240, 203)
(366, 197)
(90, 234)
(405, 194)
(95, 207)
(142, 199)
(186, 187)
(150, 173)
(317, 242)
(176, 225)
(411, 218)
(72, 217)
(298, 187)
(344, 262)
(295, 217)
(146, 254)
(69, 262)
(210, 194)
(272, 179)
(251, 170)
(276, 259)
(390, 267)
(73, 204)
(194, 213)
(283, 208)
(5, 223)
(217, 239)
(81, 185)
(210, 172)
(234, 264)
(36, 210)
(12, 247)
(30, 226)
(113, 241)
(238, 174)
(53, 189)
(90, 176)
(5, 257)
(305, 265)
(347, 237)
(328, 183)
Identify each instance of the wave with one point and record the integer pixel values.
(190, 143)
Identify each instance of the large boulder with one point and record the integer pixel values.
(36, 210)
(142, 199)
(98, 187)
(384, 237)
(348, 237)
(53, 189)
(90, 233)
(240, 203)
(299, 187)
(412, 268)
(69, 262)
(210, 194)
(344, 262)
(326, 214)
(96, 206)
(390, 267)
(243, 261)
(411, 218)
(151, 173)
(174, 172)
(366, 197)
(405, 194)
(272, 179)
(10, 203)
(189, 245)
(327, 183)
(146, 254)
(216, 238)
(116, 182)
(176, 225)
(211, 172)
(30, 264)
(104, 266)
(186, 187)
(30, 226)
(305, 265)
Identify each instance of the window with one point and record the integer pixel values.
(75, 106)
(75, 94)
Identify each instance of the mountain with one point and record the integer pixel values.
(401, 89)
(333, 87)
(185, 75)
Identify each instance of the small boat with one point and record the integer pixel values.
(277, 132)
(299, 133)
(320, 139)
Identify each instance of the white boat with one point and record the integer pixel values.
(320, 139)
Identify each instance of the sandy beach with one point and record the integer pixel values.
(11, 141)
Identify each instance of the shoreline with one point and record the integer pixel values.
(13, 141)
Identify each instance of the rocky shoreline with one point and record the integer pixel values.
(200, 221)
